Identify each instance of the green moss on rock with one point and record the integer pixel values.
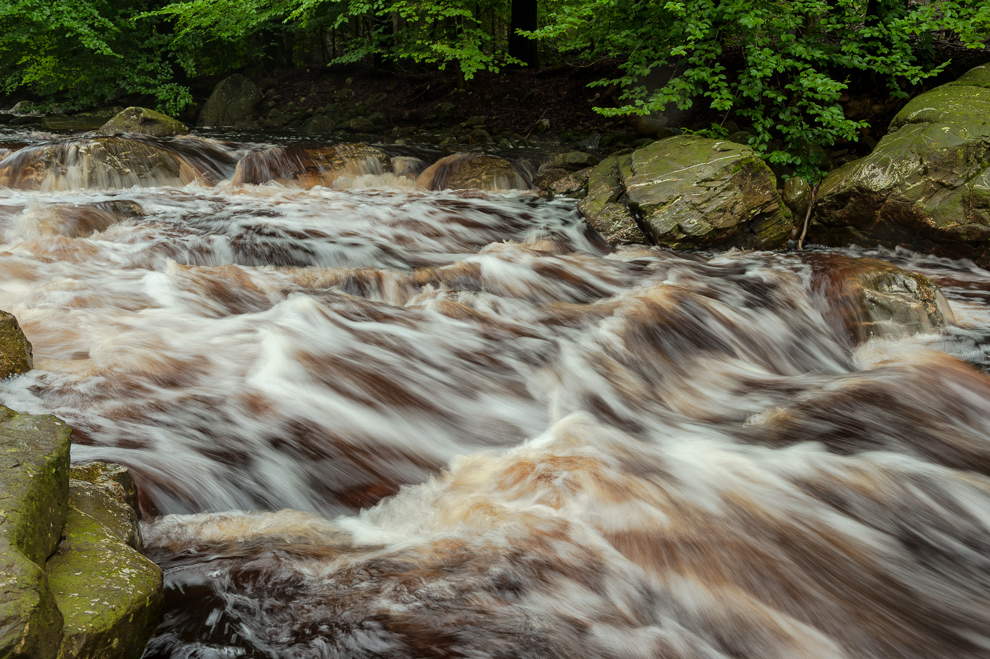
(143, 121)
(34, 460)
(109, 594)
(16, 355)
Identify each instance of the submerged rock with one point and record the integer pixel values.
(143, 121)
(80, 220)
(232, 102)
(869, 298)
(34, 465)
(688, 192)
(16, 356)
(462, 171)
(310, 167)
(927, 183)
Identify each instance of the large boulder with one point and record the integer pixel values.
(34, 474)
(689, 192)
(15, 350)
(143, 121)
(232, 103)
(474, 171)
(927, 183)
(869, 298)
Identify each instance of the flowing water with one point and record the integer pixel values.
(370, 420)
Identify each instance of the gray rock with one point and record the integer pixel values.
(233, 100)
(603, 207)
(797, 197)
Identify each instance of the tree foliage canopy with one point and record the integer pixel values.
(778, 67)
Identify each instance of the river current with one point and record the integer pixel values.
(372, 420)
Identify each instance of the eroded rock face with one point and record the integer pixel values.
(927, 183)
(143, 121)
(463, 171)
(869, 298)
(34, 465)
(16, 355)
(310, 167)
(231, 104)
(688, 192)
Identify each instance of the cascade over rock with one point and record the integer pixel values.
(113, 162)
(927, 183)
(307, 168)
(688, 192)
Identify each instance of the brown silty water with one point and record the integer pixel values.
(373, 420)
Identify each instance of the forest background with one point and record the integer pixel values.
(777, 67)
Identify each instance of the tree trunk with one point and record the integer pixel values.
(523, 18)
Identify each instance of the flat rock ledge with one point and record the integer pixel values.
(73, 582)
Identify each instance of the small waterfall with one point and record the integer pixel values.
(102, 163)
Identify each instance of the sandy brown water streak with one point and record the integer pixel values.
(491, 437)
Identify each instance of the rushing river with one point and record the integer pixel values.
(370, 420)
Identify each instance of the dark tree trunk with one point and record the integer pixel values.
(523, 18)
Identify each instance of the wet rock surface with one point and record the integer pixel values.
(109, 594)
(927, 183)
(232, 103)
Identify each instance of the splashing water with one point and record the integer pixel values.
(388, 422)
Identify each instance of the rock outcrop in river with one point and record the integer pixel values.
(72, 581)
(143, 121)
(688, 192)
(927, 183)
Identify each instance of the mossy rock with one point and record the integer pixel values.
(695, 192)
(109, 593)
(16, 355)
(927, 183)
(143, 121)
(34, 463)
(687, 192)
